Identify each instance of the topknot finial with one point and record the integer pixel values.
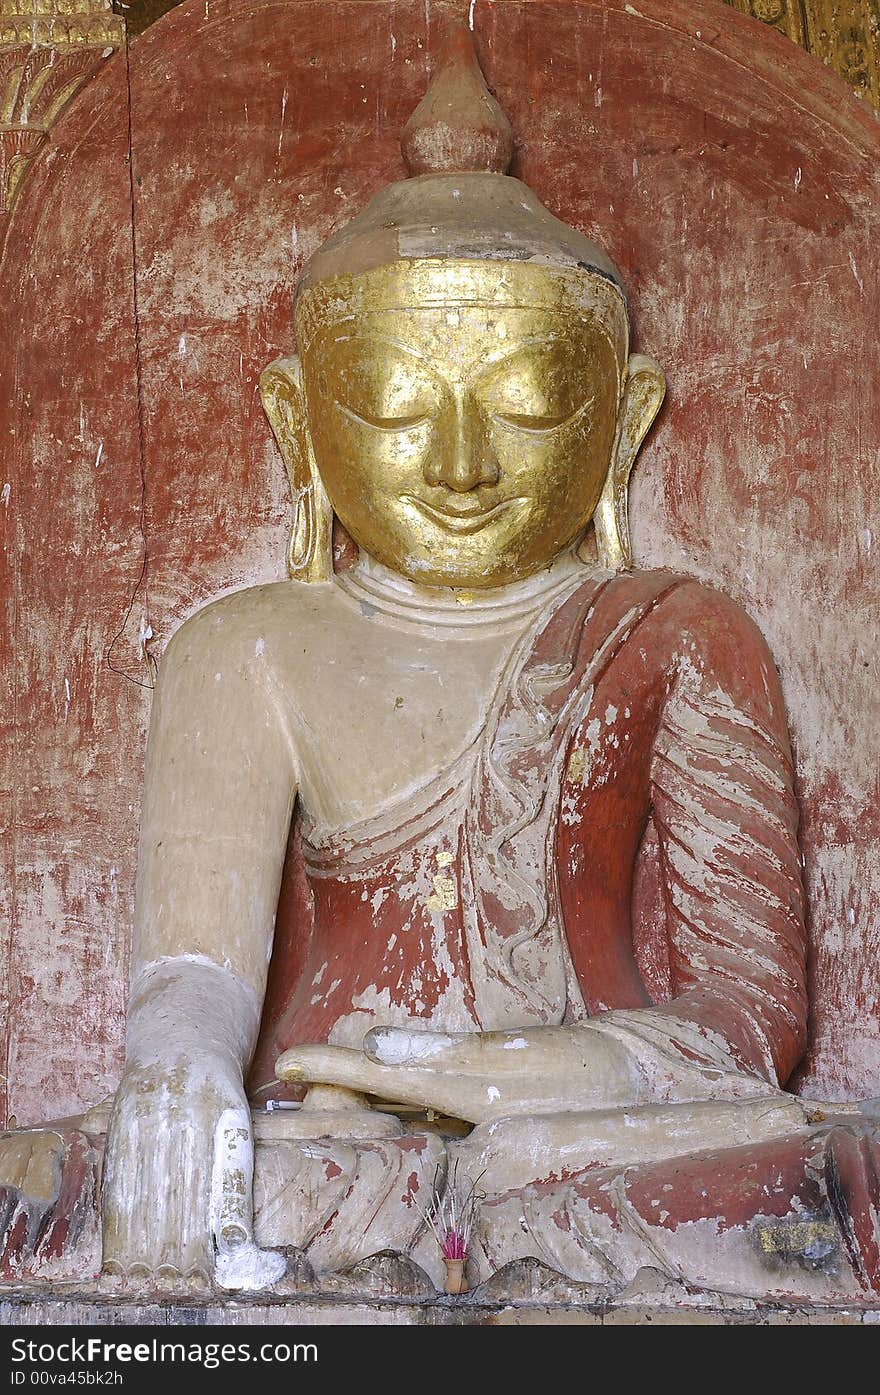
(458, 125)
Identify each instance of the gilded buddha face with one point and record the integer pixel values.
(464, 439)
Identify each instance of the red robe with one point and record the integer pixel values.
(623, 837)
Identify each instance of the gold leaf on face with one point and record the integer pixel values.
(462, 415)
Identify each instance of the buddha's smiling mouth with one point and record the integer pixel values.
(461, 521)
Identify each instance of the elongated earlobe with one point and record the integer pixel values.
(643, 393)
(310, 549)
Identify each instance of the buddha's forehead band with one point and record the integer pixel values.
(571, 295)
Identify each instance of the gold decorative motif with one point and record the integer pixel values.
(842, 34)
(810, 1239)
(785, 15)
(445, 895)
(60, 24)
(48, 49)
(577, 764)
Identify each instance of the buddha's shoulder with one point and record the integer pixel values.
(684, 606)
(257, 619)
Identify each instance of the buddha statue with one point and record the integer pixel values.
(549, 836)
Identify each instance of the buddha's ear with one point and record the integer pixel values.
(310, 549)
(643, 392)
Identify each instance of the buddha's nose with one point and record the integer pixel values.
(464, 458)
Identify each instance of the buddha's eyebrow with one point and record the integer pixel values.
(511, 351)
(386, 341)
(436, 367)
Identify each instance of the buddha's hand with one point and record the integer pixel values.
(177, 1192)
(477, 1076)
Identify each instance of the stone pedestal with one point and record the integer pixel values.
(650, 1306)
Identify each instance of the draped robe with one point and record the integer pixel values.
(620, 841)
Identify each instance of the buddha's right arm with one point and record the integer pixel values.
(219, 790)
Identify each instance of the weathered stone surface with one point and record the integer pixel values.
(841, 33)
(49, 1218)
(383, 1275)
(80, 1308)
(531, 1281)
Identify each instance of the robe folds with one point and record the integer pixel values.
(620, 843)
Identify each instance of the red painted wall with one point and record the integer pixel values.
(731, 177)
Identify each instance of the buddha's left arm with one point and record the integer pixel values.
(726, 820)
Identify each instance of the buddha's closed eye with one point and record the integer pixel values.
(386, 386)
(536, 387)
(404, 422)
(542, 420)
(536, 420)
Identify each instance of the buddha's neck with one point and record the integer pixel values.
(374, 585)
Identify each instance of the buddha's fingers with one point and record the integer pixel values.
(428, 1088)
(177, 1201)
(403, 1046)
(536, 1069)
(338, 1065)
(480, 1055)
(152, 1229)
(239, 1264)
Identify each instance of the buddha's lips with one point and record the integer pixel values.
(463, 523)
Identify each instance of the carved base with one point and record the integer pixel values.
(791, 1220)
(650, 1300)
(332, 1205)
